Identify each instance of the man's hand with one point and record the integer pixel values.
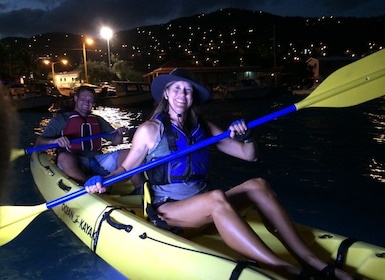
(63, 141)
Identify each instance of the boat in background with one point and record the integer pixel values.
(245, 89)
(124, 94)
(32, 97)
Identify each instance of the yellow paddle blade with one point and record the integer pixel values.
(355, 83)
(16, 153)
(14, 219)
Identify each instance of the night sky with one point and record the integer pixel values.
(26, 18)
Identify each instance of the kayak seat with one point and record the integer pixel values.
(151, 214)
(146, 198)
(148, 210)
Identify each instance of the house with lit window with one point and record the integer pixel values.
(67, 79)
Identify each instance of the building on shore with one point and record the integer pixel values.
(217, 76)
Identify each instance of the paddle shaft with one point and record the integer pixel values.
(73, 141)
(190, 149)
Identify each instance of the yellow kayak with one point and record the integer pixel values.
(114, 226)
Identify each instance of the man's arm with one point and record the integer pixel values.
(52, 133)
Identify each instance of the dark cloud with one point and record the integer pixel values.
(87, 16)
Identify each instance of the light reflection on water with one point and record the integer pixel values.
(377, 171)
(121, 118)
(378, 121)
(376, 166)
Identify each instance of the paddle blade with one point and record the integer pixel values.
(355, 83)
(14, 219)
(16, 153)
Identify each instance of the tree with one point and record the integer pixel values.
(24, 64)
(124, 71)
(97, 72)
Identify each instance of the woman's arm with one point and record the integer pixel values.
(244, 150)
(142, 141)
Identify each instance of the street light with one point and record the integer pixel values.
(64, 61)
(89, 41)
(106, 33)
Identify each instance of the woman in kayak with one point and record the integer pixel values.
(179, 188)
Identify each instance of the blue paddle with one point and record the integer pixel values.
(15, 153)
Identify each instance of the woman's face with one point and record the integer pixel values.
(180, 96)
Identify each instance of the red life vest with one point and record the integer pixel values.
(77, 127)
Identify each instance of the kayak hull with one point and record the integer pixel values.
(114, 227)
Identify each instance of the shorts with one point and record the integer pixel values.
(108, 161)
(160, 201)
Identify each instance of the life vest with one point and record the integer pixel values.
(77, 127)
(187, 168)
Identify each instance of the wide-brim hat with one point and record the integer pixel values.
(178, 74)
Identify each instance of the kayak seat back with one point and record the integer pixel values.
(146, 198)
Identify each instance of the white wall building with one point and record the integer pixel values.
(66, 79)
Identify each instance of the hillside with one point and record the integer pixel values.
(226, 37)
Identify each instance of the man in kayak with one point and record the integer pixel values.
(82, 160)
(179, 189)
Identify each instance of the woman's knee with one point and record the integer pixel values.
(217, 199)
(62, 157)
(259, 185)
(217, 196)
(66, 159)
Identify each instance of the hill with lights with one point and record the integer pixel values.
(227, 37)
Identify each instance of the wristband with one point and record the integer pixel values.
(248, 137)
(93, 181)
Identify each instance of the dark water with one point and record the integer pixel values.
(327, 166)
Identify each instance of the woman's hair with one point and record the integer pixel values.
(192, 113)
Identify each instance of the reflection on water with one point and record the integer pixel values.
(121, 117)
(377, 119)
(117, 117)
(377, 171)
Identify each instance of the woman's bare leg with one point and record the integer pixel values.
(261, 195)
(214, 207)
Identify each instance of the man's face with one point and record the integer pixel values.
(84, 102)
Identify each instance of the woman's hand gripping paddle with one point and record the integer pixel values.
(353, 84)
